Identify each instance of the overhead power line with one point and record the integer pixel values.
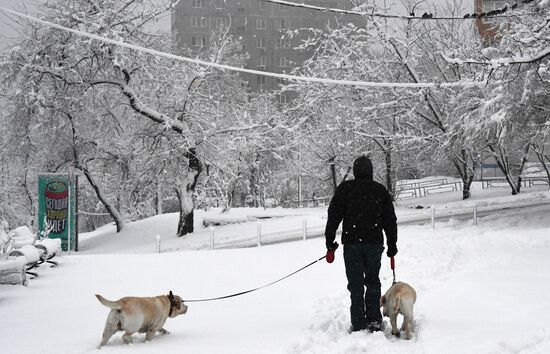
(497, 13)
(363, 84)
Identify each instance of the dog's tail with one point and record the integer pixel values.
(396, 305)
(110, 304)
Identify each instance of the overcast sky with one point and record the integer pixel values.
(7, 25)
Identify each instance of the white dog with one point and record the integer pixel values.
(399, 299)
(141, 315)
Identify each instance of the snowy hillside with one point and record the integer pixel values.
(480, 289)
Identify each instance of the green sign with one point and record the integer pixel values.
(57, 209)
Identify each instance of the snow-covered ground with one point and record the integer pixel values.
(480, 289)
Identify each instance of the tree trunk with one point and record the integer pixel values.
(229, 200)
(540, 156)
(184, 192)
(186, 213)
(466, 186)
(111, 209)
(119, 222)
(254, 184)
(522, 165)
(502, 163)
(159, 197)
(333, 172)
(386, 147)
(465, 172)
(389, 170)
(123, 192)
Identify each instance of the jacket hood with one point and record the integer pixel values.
(362, 167)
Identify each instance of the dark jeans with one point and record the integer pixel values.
(362, 269)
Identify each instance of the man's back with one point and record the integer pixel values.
(366, 208)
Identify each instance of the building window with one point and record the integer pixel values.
(260, 23)
(220, 4)
(220, 22)
(198, 21)
(284, 42)
(490, 5)
(260, 41)
(284, 24)
(261, 5)
(261, 81)
(199, 4)
(262, 62)
(284, 62)
(198, 41)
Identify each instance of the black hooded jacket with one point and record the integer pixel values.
(366, 208)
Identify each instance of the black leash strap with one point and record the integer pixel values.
(258, 288)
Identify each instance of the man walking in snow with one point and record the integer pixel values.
(366, 208)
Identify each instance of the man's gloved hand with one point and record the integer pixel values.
(392, 250)
(331, 247)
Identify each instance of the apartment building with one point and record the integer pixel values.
(262, 28)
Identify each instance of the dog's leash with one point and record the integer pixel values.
(392, 265)
(258, 288)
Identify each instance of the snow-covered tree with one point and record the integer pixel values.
(88, 84)
(509, 115)
(458, 122)
(395, 120)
